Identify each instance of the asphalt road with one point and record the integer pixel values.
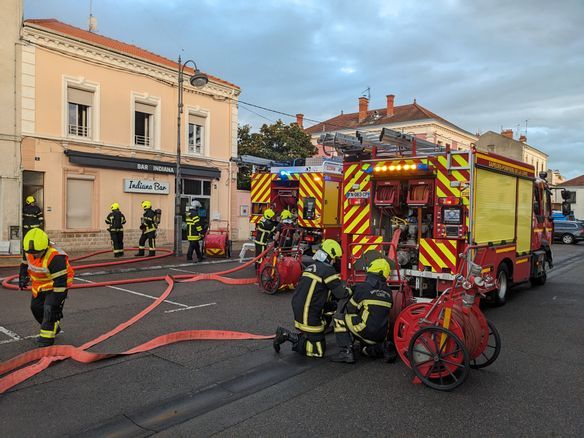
(243, 388)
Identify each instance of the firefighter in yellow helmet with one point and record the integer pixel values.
(148, 225)
(194, 232)
(315, 295)
(286, 236)
(365, 316)
(32, 215)
(115, 225)
(51, 274)
(265, 230)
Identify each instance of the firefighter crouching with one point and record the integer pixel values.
(265, 230)
(365, 317)
(51, 274)
(32, 215)
(148, 226)
(115, 222)
(194, 232)
(314, 296)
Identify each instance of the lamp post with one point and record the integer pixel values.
(198, 80)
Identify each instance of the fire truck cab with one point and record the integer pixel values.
(424, 205)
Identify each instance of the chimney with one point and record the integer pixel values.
(390, 98)
(300, 120)
(507, 133)
(363, 104)
(522, 138)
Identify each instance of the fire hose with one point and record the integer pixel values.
(48, 355)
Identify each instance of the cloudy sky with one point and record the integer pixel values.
(481, 64)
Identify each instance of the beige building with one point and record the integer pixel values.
(555, 178)
(99, 125)
(576, 185)
(411, 119)
(504, 144)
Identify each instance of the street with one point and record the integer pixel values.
(243, 388)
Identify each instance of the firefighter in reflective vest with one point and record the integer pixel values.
(148, 226)
(115, 225)
(315, 295)
(265, 230)
(285, 232)
(365, 316)
(48, 268)
(194, 232)
(32, 215)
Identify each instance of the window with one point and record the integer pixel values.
(79, 203)
(196, 131)
(144, 124)
(79, 104)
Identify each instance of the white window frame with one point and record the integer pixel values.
(155, 102)
(206, 139)
(93, 119)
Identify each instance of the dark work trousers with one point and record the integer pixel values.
(310, 344)
(118, 242)
(151, 238)
(194, 245)
(47, 308)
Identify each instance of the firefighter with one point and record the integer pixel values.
(315, 295)
(265, 230)
(32, 215)
(194, 232)
(115, 221)
(365, 316)
(51, 274)
(148, 225)
(285, 230)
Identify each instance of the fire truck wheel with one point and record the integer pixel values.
(538, 281)
(492, 349)
(568, 239)
(439, 358)
(500, 295)
(270, 279)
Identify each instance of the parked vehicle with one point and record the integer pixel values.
(559, 216)
(569, 231)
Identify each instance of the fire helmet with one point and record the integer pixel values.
(332, 249)
(380, 267)
(115, 206)
(30, 200)
(286, 214)
(35, 241)
(146, 205)
(269, 213)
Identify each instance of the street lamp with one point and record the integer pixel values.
(198, 80)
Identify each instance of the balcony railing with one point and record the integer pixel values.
(141, 140)
(79, 130)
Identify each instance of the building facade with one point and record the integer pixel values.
(576, 185)
(99, 125)
(411, 119)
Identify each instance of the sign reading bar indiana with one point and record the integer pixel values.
(135, 185)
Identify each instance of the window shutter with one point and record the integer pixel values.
(145, 108)
(79, 203)
(197, 120)
(80, 97)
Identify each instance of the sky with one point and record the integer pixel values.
(481, 64)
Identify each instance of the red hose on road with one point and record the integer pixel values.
(56, 353)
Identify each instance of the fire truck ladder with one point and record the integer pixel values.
(399, 144)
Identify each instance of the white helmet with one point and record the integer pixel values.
(196, 204)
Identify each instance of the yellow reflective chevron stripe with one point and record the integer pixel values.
(310, 328)
(332, 278)
(312, 276)
(59, 273)
(375, 303)
(308, 301)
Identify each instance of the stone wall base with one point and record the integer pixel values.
(94, 241)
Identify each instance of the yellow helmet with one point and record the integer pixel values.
(269, 213)
(115, 206)
(30, 200)
(332, 248)
(35, 241)
(146, 205)
(379, 266)
(286, 214)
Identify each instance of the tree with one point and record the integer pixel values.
(278, 142)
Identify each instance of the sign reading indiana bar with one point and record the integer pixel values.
(136, 185)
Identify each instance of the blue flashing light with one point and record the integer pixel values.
(422, 166)
(284, 173)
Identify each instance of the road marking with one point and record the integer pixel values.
(13, 336)
(182, 270)
(190, 307)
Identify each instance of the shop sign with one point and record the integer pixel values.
(135, 185)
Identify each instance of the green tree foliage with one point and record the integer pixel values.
(278, 142)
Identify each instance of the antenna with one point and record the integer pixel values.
(366, 93)
(92, 22)
(526, 127)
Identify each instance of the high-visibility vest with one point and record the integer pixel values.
(41, 277)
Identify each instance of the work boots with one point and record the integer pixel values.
(140, 253)
(283, 335)
(345, 355)
(151, 253)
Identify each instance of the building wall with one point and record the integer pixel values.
(10, 204)
(517, 150)
(117, 84)
(578, 206)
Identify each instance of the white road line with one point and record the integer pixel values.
(182, 270)
(10, 341)
(10, 334)
(135, 293)
(190, 307)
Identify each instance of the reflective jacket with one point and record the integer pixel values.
(149, 221)
(316, 285)
(51, 272)
(194, 227)
(32, 217)
(265, 231)
(367, 312)
(115, 221)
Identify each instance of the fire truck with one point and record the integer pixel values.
(311, 192)
(422, 205)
